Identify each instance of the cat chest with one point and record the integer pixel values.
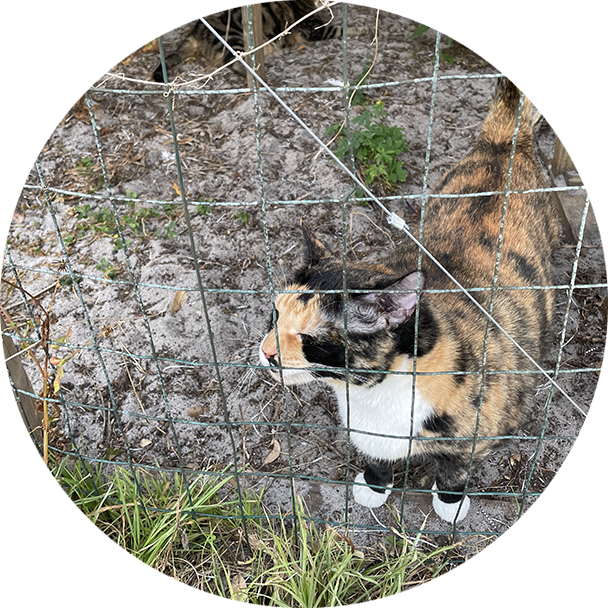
(386, 411)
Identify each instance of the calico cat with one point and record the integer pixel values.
(276, 16)
(385, 334)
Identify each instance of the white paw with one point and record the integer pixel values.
(367, 497)
(449, 511)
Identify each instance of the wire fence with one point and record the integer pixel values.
(70, 273)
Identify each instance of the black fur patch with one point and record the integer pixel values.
(494, 149)
(271, 322)
(487, 242)
(428, 333)
(379, 473)
(464, 363)
(442, 425)
(524, 268)
(323, 352)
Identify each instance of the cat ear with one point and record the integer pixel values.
(392, 309)
(314, 249)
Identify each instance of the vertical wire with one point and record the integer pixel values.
(65, 408)
(138, 297)
(579, 245)
(170, 99)
(258, 140)
(423, 201)
(346, 91)
(92, 333)
(491, 304)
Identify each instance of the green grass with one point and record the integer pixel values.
(195, 534)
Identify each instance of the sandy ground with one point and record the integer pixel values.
(153, 395)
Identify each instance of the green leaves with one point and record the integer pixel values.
(375, 147)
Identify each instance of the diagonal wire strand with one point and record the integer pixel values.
(391, 218)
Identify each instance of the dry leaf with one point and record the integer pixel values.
(197, 410)
(180, 297)
(177, 189)
(151, 47)
(144, 443)
(239, 588)
(54, 361)
(275, 453)
(514, 460)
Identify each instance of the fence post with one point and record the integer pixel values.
(258, 39)
(561, 159)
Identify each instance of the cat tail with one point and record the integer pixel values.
(499, 126)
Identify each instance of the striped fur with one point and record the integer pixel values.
(463, 234)
(276, 16)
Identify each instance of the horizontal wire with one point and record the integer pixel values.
(390, 216)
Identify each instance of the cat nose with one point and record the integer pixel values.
(271, 356)
(269, 347)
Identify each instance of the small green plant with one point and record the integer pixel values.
(82, 211)
(375, 146)
(109, 271)
(243, 216)
(87, 171)
(170, 230)
(447, 57)
(141, 222)
(420, 30)
(204, 207)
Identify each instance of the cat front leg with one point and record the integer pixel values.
(449, 500)
(378, 473)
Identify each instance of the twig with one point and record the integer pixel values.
(133, 385)
(361, 80)
(36, 295)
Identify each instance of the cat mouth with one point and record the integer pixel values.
(290, 376)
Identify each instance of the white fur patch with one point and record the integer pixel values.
(290, 376)
(367, 497)
(386, 409)
(448, 511)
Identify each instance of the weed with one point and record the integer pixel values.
(204, 208)
(243, 216)
(91, 174)
(134, 221)
(170, 230)
(420, 30)
(109, 271)
(375, 146)
(447, 57)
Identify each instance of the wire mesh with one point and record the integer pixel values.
(90, 339)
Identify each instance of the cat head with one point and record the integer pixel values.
(320, 327)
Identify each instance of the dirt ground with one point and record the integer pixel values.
(153, 396)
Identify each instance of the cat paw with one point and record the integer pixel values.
(449, 511)
(367, 497)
